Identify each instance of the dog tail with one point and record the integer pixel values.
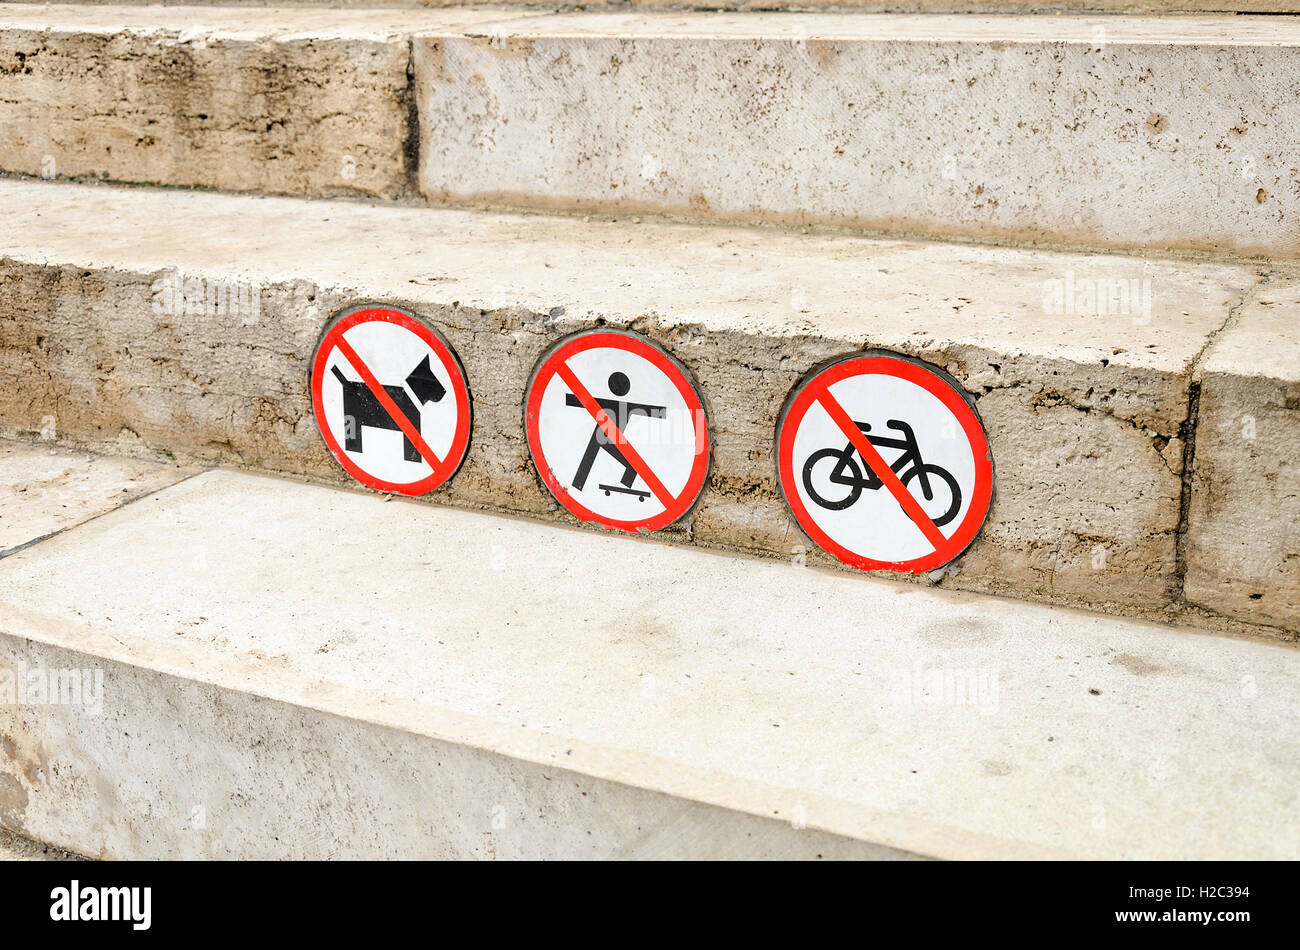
(342, 379)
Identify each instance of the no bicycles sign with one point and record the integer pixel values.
(885, 464)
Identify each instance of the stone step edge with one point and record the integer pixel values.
(892, 831)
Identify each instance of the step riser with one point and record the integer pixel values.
(185, 770)
(1101, 143)
(318, 117)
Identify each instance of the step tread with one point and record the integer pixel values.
(757, 686)
(284, 24)
(1215, 29)
(896, 293)
(48, 489)
(384, 21)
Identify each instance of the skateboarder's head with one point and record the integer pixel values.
(619, 384)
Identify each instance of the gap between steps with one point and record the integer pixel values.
(73, 527)
(1190, 426)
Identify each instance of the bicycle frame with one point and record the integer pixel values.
(911, 455)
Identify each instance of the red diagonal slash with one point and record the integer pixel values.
(883, 472)
(613, 434)
(390, 407)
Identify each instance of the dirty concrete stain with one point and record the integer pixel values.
(1137, 665)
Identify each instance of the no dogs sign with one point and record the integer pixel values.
(391, 401)
(617, 430)
(885, 464)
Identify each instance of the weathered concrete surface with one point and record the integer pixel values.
(18, 848)
(177, 768)
(1119, 132)
(1243, 543)
(298, 101)
(887, 6)
(1084, 414)
(45, 489)
(276, 667)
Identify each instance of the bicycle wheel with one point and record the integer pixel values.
(953, 488)
(855, 492)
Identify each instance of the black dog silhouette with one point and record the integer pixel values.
(361, 408)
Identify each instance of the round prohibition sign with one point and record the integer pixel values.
(617, 430)
(391, 400)
(884, 463)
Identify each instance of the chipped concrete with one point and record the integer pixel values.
(1170, 133)
(48, 489)
(444, 698)
(1085, 413)
(1244, 524)
(295, 101)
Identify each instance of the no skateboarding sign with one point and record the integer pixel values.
(391, 401)
(617, 430)
(885, 464)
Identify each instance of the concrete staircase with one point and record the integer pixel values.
(191, 193)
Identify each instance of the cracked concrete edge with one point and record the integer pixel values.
(1192, 424)
(1243, 538)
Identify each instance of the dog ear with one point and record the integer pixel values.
(425, 384)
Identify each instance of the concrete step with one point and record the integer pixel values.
(282, 670)
(1117, 132)
(148, 321)
(300, 101)
(48, 490)
(1114, 131)
(1243, 552)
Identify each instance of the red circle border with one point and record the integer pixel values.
(459, 385)
(624, 340)
(928, 379)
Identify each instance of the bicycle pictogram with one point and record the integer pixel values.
(848, 473)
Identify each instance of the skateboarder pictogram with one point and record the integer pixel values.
(619, 411)
(617, 430)
(361, 408)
